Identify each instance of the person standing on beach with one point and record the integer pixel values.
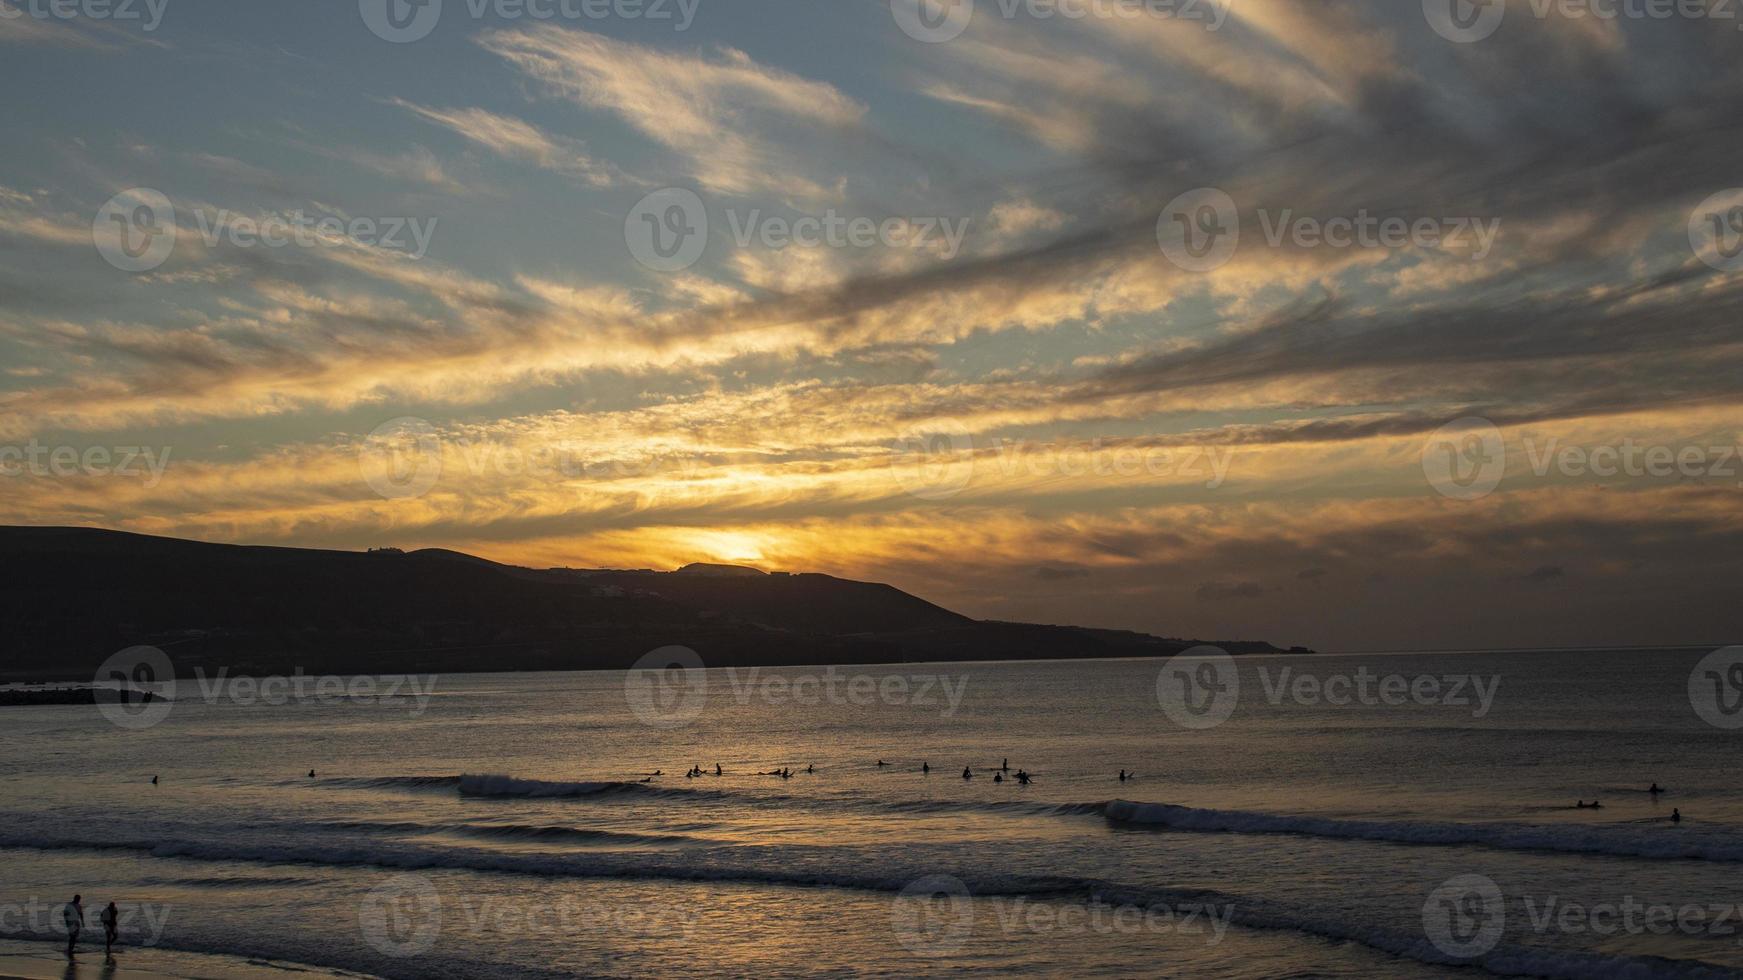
(111, 925)
(74, 917)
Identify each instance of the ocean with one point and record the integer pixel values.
(1380, 815)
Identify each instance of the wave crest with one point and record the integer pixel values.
(1652, 841)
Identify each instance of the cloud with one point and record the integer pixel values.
(719, 113)
(17, 26)
(1227, 591)
(1546, 573)
(515, 139)
(755, 398)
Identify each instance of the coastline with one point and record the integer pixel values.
(45, 960)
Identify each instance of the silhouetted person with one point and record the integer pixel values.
(967, 773)
(998, 777)
(882, 763)
(311, 774)
(1022, 777)
(808, 768)
(924, 769)
(154, 780)
(1654, 790)
(1122, 775)
(111, 918)
(73, 914)
(1006, 767)
(717, 770)
(1675, 815)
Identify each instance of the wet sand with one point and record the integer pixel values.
(47, 961)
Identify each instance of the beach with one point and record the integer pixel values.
(47, 961)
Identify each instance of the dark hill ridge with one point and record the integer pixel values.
(73, 596)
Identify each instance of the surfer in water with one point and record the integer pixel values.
(311, 774)
(1675, 815)
(717, 770)
(1022, 778)
(1654, 790)
(925, 769)
(998, 777)
(967, 773)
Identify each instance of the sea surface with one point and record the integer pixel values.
(499, 825)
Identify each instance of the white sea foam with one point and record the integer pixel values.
(724, 865)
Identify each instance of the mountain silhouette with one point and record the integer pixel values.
(81, 594)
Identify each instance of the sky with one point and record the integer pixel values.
(1356, 325)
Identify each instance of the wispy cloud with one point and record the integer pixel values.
(515, 139)
(719, 113)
